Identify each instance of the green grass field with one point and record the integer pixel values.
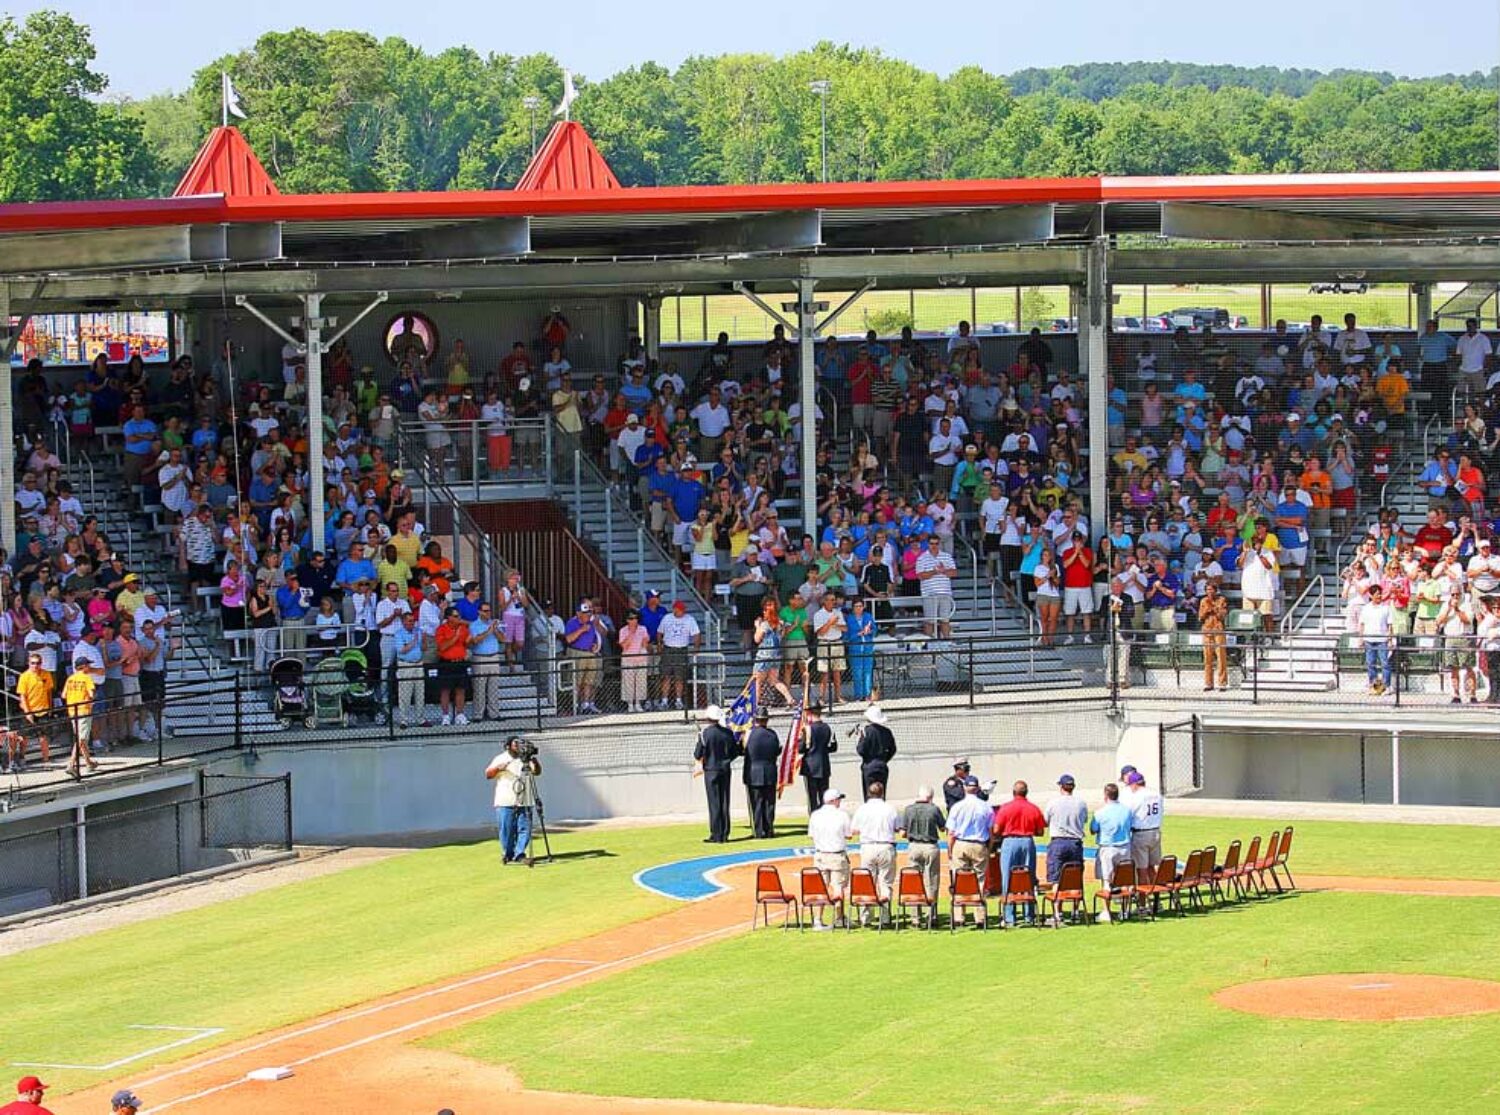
(297, 951)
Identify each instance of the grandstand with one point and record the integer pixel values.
(460, 369)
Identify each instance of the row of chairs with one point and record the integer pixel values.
(1201, 882)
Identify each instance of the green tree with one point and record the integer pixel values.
(62, 142)
(1036, 306)
(171, 131)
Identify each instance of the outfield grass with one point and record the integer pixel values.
(283, 955)
(1086, 1019)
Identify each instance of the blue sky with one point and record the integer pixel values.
(152, 45)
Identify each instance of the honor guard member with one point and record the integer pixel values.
(877, 747)
(817, 744)
(922, 825)
(716, 749)
(762, 749)
(953, 788)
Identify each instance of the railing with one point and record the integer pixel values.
(476, 453)
(88, 463)
(1315, 598)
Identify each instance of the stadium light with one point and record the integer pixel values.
(532, 103)
(822, 87)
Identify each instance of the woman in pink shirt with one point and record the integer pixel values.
(232, 589)
(635, 642)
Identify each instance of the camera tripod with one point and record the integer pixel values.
(541, 825)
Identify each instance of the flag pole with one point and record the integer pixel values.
(224, 98)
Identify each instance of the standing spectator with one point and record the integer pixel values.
(1078, 584)
(1066, 817)
(749, 585)
(452, 638)
(513, 777)
(943, 448)
(1145, 826)
(767, 665)
(583, 636)
(922, 825)
(514, 600)
(1162, 591)
(860, 637)
(876, 821)
(197, 548)
(233, 587)
(1212, 610)
(679, 637)
(935, 571)
(828, 829)
(1474, 352)
(829, 630)
(484, 650)
(1258, 574)
(78, 700)
(1111, 827)
(1489, 647)
(34, 693)
(969, 824)
(794, 631)
(1374, 622)
(261, 610)
(1435, 350)
(1016, 825)
(635, 658)
(1456, 622)
(407, 651)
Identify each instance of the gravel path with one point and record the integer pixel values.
(312, 863)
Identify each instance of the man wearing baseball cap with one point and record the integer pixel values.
(829, 829)
(28, 1098)
(1145, 806)
(1067, 817)
(125, 1102)
(969, 833)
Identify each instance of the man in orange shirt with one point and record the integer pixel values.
(1319, 485)
(453, 666)
(78, 697)
(439, 569)
(1392, 389)
(34, 690)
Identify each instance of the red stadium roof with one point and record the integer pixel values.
(568, 161)
(226, 165)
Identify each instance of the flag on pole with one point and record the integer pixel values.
(791, 760)
(565, 106)
(740, 715)
(230, 99)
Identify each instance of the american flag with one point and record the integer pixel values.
(791, 761)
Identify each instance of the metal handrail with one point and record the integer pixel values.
(1287, 624)
(960, 540)
(583, 468)
(88, 463)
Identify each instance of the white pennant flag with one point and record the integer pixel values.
(231, 100)
(565, 107)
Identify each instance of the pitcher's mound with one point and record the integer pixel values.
(1363, 997)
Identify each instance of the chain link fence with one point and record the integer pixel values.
(224, 819)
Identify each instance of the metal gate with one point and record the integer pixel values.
(1181, 757)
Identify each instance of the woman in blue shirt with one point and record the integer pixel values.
(859, 633)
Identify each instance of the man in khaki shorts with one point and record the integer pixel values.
(969, 824)
(828, 829)
(1145, 806)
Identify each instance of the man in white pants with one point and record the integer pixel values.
(1145, 830)
(410, 671)
(876, 821)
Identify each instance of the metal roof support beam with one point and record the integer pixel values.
(1399, 263)
(1093, 350)
(741, 288)
(498, 238)
(1193, 221)
(828, 322)
(97, 249)
(8, 414)
(807, 395)
(1020, 224)
(794, 231)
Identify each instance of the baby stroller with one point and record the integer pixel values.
(360, 697)
(328, 685)
(288, 693)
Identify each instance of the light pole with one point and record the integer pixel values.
(532, 103)
(822, 87)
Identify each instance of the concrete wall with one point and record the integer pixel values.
(628, 770)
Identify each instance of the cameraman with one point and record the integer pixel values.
(513, 769)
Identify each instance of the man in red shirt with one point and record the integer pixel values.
(1434, 535)
(1017, 823)
(862, 375)
(1078, 585)
(28, 1098)
(1223, 512)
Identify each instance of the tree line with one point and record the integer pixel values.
(345, 111)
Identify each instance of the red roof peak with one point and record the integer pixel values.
(567, 162)
(226, 165)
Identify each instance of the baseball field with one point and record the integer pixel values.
(569, 986)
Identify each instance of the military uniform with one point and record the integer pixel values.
(877, 746)
(953, 788)
(818, 743)
(762, 750)
(717, 749)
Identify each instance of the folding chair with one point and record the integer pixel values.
(1067, 891)
(1020, 890)
(769, 892)
(1203, 878)
(992, 887)
(911, 891)
(815, 896)
(865, 895)
(1225, 873)
(1247, 865)
(1163, 883)
(1281, 856)
(966, 894)
(1120, 888)
(1266, 865)
(1187, 882)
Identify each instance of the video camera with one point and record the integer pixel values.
(525, 749)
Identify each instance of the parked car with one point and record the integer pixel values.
(1128, 324)
(1338, 288)
(1157, 323)
(1197, 317)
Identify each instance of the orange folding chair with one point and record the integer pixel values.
(1121, 888)
(1184, 883)
(1266, 865)
(1247, 865)
(1020, 890)
(911, 892)
(1159, 886)
(769, 892)
(815, 895)
(992, 887)
(967, 895)
(865, 895)
(1225, 873)
(1281, 856)
(1067, 892)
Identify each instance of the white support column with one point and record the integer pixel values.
(1423, 292)
(807, 394)
(7, 435)
(652, 315)
(1093, 354)
(81, 849)
(1395, 766)
(312, 324)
